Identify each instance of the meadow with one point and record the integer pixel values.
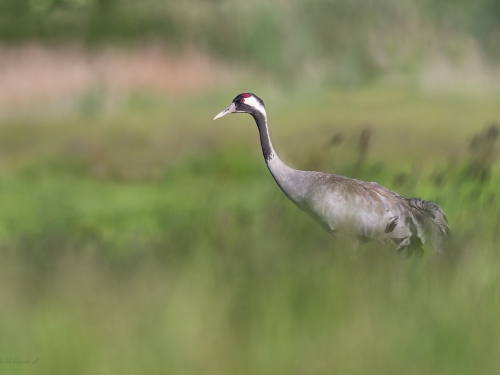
(151, 239)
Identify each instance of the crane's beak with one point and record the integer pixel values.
(228, 110)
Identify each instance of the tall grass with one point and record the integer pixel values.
(155, 241)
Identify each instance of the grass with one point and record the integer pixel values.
(155, 241)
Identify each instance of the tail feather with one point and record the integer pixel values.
(433, 226)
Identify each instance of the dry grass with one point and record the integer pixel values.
(468, 70)
(36, 73)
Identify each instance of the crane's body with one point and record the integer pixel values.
(363, 211)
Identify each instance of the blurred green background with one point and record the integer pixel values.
(140, 237)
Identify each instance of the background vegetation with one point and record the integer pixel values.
(347, 42)
(138, 236)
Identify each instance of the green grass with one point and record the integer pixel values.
(155, 241)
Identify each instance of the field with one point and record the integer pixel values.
(150, 239)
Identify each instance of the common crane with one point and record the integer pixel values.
(364, 211)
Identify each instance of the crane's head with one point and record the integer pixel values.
(245, 103)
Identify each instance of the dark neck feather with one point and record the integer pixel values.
(286, 177)
(267, 148)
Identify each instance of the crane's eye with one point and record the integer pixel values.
(242, 100)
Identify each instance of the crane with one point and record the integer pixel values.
(363, 211)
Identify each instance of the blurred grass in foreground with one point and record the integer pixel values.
(155, 241)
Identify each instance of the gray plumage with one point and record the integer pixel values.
(363, 211)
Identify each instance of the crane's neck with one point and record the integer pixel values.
(265, 140)
(289, 180)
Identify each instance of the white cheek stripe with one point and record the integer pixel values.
(252, 102)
